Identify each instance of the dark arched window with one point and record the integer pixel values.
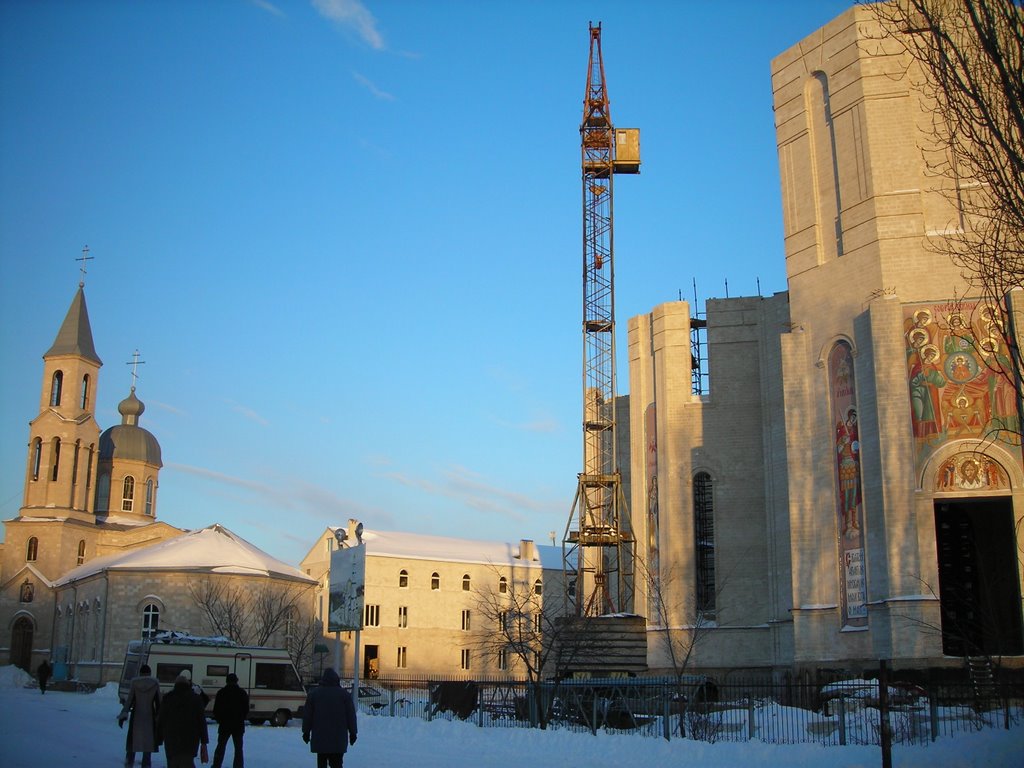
(32, 550)
(503, 585)
(55, 459)
(465, 582)
(81, 551)
(538, 587)
(403, 578)
(88, 471)
(150, 620)
(149, 497)
(56, 385)
(37, 456)
(85, 392)
(128, 493)
(704, 544)
(435, 581)
(103, 492)
(74, 463)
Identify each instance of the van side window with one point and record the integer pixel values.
(168, 673)
(217, 670)
(280, 677)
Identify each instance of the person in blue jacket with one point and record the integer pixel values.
(329, 721)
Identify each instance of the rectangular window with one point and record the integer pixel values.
(278, 677)
(168, 673)
(503, 660)
(401, 661)
(371, 616)
(465, 621)
(217, 670)
(465, 659)
(403, 616)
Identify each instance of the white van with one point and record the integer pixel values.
(267, 674)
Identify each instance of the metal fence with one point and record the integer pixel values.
(699, 708)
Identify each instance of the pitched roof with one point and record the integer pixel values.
(213, 549)
(75, 334)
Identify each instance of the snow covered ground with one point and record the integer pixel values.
(69, 729)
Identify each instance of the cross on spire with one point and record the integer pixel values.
(135, 363)
(83, 258)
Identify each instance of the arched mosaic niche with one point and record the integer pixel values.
(971, 467)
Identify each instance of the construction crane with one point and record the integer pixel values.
(598, 546)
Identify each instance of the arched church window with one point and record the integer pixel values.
(435, 581)
(128, 493)
(85, 392)
(28, 591)
(704, 544)
(88, 470)
(465, 582)
(149, 497)
(150, 620)
(503, 585)
(37, 456)
(56, 385)
(103, 492)
(74, 463)
(81, 551)
(403, 578)
(32, 550)
(538, 587)
(55, 459)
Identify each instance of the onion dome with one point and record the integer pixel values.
(128, 440)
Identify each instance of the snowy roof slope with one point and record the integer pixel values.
(213, 549)
(420, 546)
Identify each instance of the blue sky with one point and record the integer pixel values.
(346, 236)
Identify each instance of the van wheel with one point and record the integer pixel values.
(257, 720)
(281, 717)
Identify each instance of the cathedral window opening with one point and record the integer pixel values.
(704, 534)
(503, 660)
(403, 578)
(149, 497)
(465, 620)
(435, 581)
(371, 616)
(55, 388)
(85, 392)
(401, 661)
(55, 463)
(465, 660)
(37, 457)
(502, 585)
(465, 582)
(74, 463)
(103, 493)
(32, 550)
(88, 469)
(403, 616)
(538, 587)
(128, 494)
(28, 591)
(150, 621)
(81, 551)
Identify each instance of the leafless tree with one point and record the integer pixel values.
(966, 59)
(248, 614)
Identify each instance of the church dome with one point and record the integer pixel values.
(128, 440)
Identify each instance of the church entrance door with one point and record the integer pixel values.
(979, 581)
(21, 643)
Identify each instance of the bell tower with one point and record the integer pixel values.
(63, 444)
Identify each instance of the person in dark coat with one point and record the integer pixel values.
(182, 725)
(230, 708)
(329, 721)
(140, 708)
(43, 672)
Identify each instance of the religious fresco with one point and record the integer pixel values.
(651, 476)
(954, 355)
(971, 471)
(849, 499)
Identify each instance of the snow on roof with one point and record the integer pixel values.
(213, 549)
(421, 546)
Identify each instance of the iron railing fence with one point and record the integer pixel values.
(699, 708)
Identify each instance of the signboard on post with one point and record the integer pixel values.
(348, 585)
